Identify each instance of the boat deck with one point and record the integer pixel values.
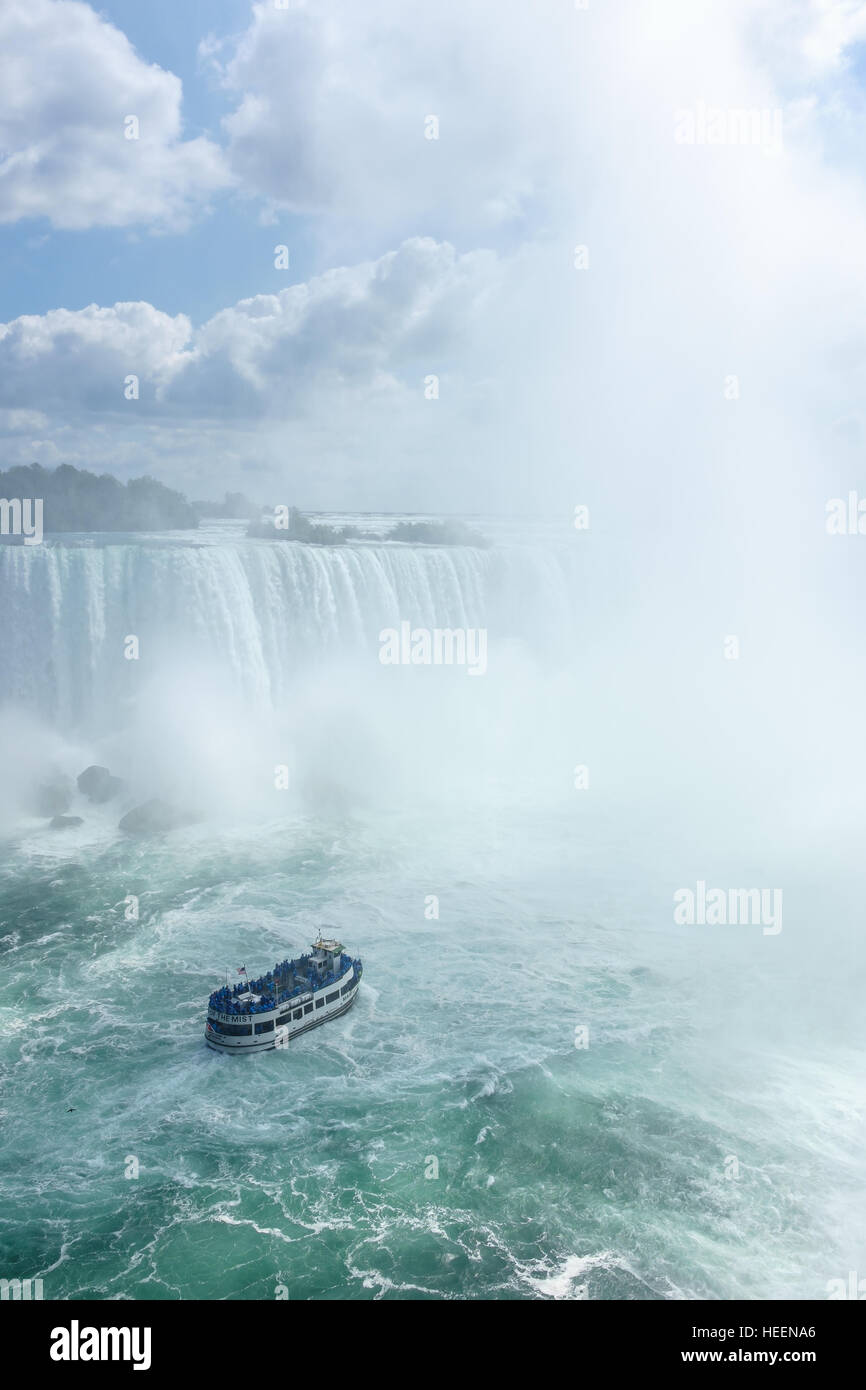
(287, 980)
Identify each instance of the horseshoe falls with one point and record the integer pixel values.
(548, 1088)
(261, 614)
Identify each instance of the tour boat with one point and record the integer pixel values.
(256, 1015)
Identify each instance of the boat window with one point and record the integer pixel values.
(308, 1008)
(235, 1030)
(329, 998)
(299, 1013)
(319, 1003)
(265, 1027)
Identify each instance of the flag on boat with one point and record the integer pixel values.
(242, 970)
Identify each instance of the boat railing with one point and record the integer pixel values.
(228, 1003)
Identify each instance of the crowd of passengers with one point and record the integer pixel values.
(273, 986)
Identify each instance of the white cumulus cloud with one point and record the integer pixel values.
(447, 118)
(355, 328)
(69, 80)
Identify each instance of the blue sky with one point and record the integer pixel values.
(414, 258)
(215, 261)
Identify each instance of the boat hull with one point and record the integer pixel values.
(281, 1037)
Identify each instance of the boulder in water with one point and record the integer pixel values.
(154, 816)
(65, 822)
(54, 796)
(98, 785)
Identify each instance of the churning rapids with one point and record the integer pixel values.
(546, 1088)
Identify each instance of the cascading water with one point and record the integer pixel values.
(257, 613)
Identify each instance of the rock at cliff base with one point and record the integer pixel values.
(98, 785)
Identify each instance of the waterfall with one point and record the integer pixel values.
(254, 613)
